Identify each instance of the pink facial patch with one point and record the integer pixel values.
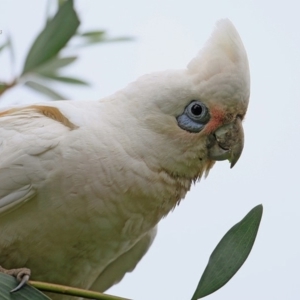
(216, 120)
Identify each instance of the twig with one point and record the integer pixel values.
(4, 87)
(71, 291)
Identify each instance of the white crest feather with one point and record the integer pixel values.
(223, 58)
(223, 53)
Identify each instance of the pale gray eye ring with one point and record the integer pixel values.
(197, 111)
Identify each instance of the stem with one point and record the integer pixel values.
(67, 290)
(7, 86)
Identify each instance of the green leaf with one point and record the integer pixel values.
(230, 254)
(93, 34)
(54, 64)
(91, 37)
(65, 79)
(61, 2)
(7, 283)
(119, 39)
(95, 37)
(53, 37)
(44, 90)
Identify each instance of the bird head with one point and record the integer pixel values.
(190, 118)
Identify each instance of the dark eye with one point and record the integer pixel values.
(197, 111)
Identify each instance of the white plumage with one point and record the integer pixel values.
(83, 184)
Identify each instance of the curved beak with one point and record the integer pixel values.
(227, 142)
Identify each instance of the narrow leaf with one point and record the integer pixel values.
(44, 90)
(65, 79)
(230, 254)
(53, 37)
(96, 40)
(54, 64)
(98, 33)
(61, 2)
(119, 39)
(7, 283)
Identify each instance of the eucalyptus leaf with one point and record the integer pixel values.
(119, 39)
(54, 64)
(230, 254)
(61, 2)
(95, 40)
(97, 33)
(44, 90)
(57, 32)
(65, 79)
(7, 283)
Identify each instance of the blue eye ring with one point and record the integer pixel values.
(194, 117)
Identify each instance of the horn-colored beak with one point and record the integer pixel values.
(227, 142)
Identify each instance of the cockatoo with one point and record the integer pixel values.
(83, 184)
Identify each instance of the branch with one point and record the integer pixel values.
(67, 290)
(5, 86)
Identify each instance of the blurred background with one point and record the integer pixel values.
(167, 36)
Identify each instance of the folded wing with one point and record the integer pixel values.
(26, 134)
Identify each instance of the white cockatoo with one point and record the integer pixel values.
(83, 184)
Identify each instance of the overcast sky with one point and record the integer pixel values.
(168, 34)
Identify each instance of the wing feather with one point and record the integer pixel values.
(26, 133)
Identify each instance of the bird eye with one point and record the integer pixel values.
(194, 117)
(196, 110)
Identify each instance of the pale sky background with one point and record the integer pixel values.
(168, 35)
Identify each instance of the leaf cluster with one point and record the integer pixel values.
(45, 61)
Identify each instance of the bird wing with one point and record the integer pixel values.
(125, 263)
(26, 133)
